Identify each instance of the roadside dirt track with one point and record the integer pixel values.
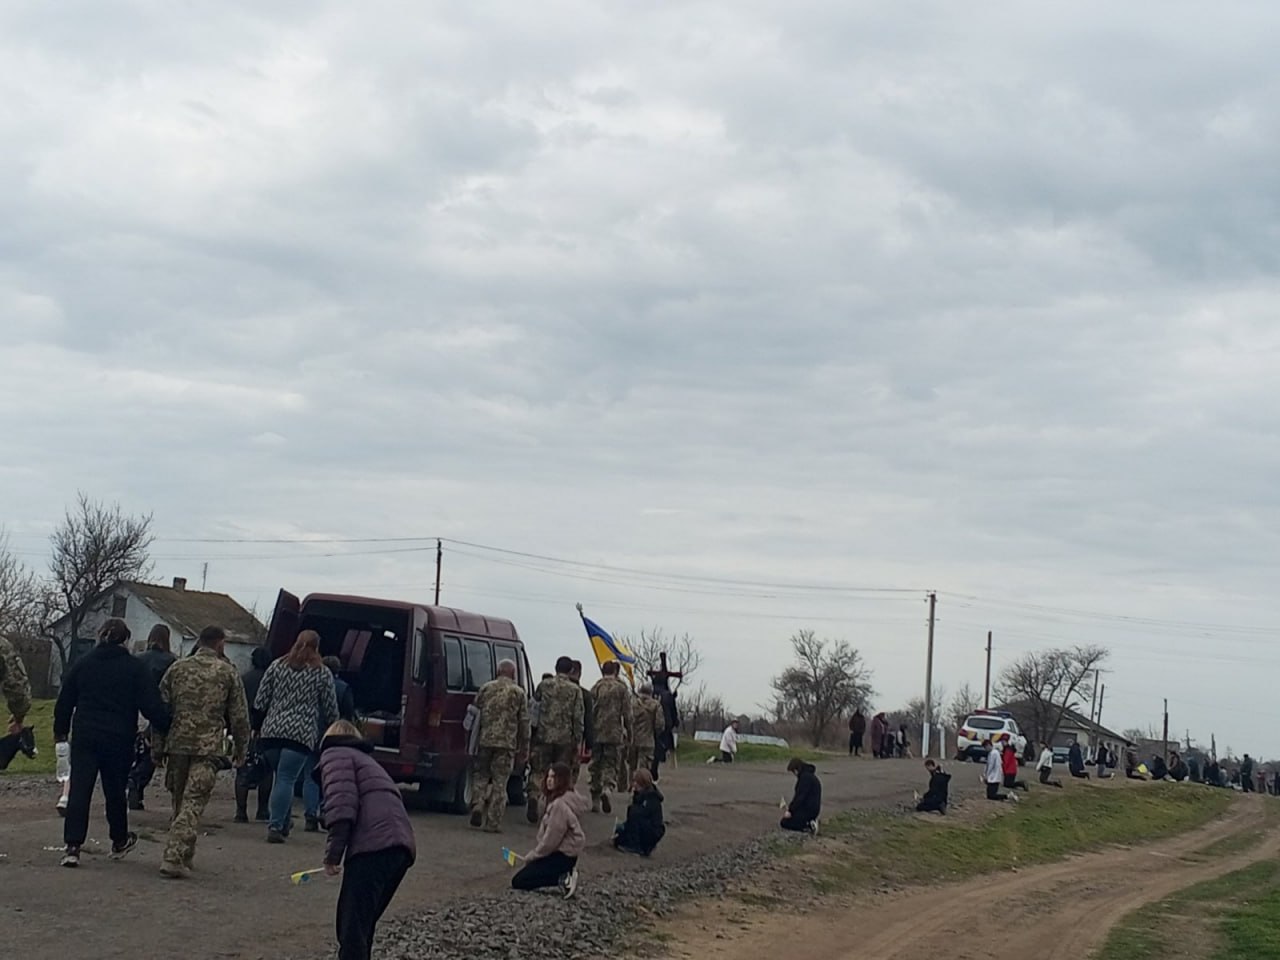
(239, 902)
(1060, 911)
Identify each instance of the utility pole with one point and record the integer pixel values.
(204, 577)
(928, 680)
(986, 690)
(1093, 708)
(439, 560)
(1166, 730)
(1101, 696)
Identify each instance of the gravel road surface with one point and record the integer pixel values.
(239, 902)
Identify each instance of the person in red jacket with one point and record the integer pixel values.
(1009, 765)
(369, 835)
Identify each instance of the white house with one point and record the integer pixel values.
(185, 612)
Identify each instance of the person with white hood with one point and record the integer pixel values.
(1045, 767)
(994, 775)
(728, 745)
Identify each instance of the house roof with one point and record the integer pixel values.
(1072, 719)
(192, 610)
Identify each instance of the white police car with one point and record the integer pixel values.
(982, 725)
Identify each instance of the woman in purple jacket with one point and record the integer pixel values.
(368, 828)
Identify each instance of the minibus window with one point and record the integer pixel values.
(479, 663)
(453, 661)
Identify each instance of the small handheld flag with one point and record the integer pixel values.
(511, 857)
(305, 876)
(782, 804)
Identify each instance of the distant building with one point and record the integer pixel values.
(1074, 727)
(185, 612)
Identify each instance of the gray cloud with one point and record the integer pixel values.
(805, 292)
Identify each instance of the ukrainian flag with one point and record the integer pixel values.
(606, 648)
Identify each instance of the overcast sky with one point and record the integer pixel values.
(820, 294)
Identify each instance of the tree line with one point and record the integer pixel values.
(97, 544)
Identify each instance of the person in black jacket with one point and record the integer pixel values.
(255, 773)
(645, 825)
(157, 658)
(1075, 761)
(98, 707)
(806, 806)
(936, 797)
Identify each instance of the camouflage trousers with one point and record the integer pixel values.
(190, 779)
(640, 758)
(542, 757)
(490, 770)
(606, 768)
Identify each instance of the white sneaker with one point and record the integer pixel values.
(570, 884)
(813, 827)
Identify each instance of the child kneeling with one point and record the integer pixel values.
(553, 862)
(645, 825)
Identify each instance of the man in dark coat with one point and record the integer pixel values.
(936, 797)
(157, 658)
(1075, 761)
(255, 773)
(806, 806)
(857, 730)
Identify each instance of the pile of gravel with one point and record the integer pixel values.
(513, 925)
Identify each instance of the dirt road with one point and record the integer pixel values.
(1055, 912)
(239, 902)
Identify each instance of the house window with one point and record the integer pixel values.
(118, 605)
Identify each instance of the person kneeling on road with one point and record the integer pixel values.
(994, 774)
(645, 825)
(554, 859)
(1009, 764)
(1045, 767)
(936, 797)
(806, 806)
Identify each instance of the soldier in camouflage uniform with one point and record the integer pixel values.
(206, 697)
(611, 722)
(504, 739)
(588, 733)
(559, 728)
(14, 685)
(648, 723)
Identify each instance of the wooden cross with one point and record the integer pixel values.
(662, 676)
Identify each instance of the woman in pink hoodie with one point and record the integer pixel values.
(554, 859)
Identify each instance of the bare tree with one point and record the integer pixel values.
(20, 595)
(827, 681)
(913, 713)
(93, 547)
(965, 701)
(701, 710)
(683, 656)
(1045, 683)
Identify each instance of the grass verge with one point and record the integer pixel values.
(1236, 915)
(41, 719)
(1046, 826)
(697, 752)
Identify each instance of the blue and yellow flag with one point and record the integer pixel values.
(510, 856)
(606, 648)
